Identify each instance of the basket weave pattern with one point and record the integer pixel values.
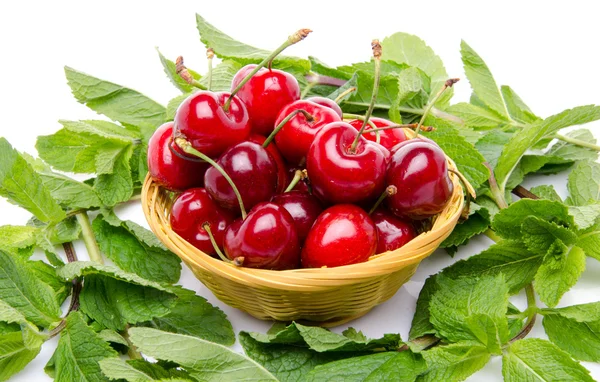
(328, 296)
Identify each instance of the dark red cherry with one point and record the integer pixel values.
(203, 122)
(253, 171)
(191, 210)
(387, 138)
(169, 170)
(327, 103)
(266, 239)
(282, 172)
(265, 94)
(338, 174)
(343, 234)
(295, 137)
(418, 168)
(303, 207)
(392, 232)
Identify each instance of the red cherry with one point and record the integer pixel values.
(191, 210)
(265, 94)
(266, 239)
(169, 170)
(392, 232)
(387, 138)
(303, 207)
(282, 172)
(203, 122)
(343, 234)
(327, 103)
(418, 168)
(294, 139)
(253, 171)
(338, 175)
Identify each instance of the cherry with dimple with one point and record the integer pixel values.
(327, 103)
(387, 138)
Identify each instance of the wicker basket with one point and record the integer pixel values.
(323, 296)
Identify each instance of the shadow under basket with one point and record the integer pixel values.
(318, 296)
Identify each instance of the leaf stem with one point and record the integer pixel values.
(577, 142)
(492, 235)
(532, 311)
(389, 191)
(522, 192)
(448, 84)
(76, 290)
(131, 349)
(88, 237)
(210, 53)
(271, 136)
(495, 190)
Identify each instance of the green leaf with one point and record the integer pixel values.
(585, 216)
(21, 289)
(116, 102)
(78, 352)
(194, 316)
(538, 234)
(534, 359)
(361, 98)
(13, 237)
(404, 48)
(570, 152)
(115, 303)
(589, 241)
(581, 339)
(16, 353)
(546, 192)
(390, 366)
(171, 72)
(454, 362)
(477, 117)
(47, 274)
(137, 371)
(584, 183)
(475, 225)
(492, 144)
(107, 130)
(317, 66)
(482, 81)
(579, 313)
(516, 107)
(117, 186)
(112, 336)
(222, 76)
(202, 359)
(174, 104)
(23, 186)
(413, 92)
(553, 280)
(421, 322)
(132, 254)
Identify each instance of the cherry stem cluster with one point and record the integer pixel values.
(271, 136)
(389, 191)
(238, 261)
(448, 84)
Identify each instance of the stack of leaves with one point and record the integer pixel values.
(463, 318)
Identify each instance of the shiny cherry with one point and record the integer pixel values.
(327, 103)
(253, 171)
(203, 122)
(294, 139)
(343, 234)
(387, 138)
(339, 174)
(392, 232)
(418, 168)
(266, 239)
(303, 207)
(169, 170)
(194, 208)
(282, 171)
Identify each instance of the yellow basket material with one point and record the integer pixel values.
(323, 296)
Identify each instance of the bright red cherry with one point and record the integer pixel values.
(203, 122)
(282, 172)
(170, 171)
(295, 137)
(194, 208)
(339, 174)
(418, 168)
(265, 94)
(303, 207)
(343, 234)
(327, 103)
(392, 232)
(387, 138)
(253, 171)
(266, 239)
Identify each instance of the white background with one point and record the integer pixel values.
(547, 52)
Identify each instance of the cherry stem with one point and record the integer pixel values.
(185, 74)
(188, 149)
(577, 142)
(495, 190)
(270, 138)
(210, 53)
(343, 95)
(448, 84)
(376, 46)
(291, 40)
(411, 126)
(325, 80)
(389, 191)
(206, 227)
(522, 192)
(298, 176)
(362, 118)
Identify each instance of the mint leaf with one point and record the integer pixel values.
(413, 93)
(78, 352)
(118, 369)
(535, 359)
(116, 102)
(16, 353)
(222, 76)
(579, 313)
(516, 107)
(21, 289)
(117, 186)
(112, 336)
(390, 366)
(581, 339)
(421, 322)
(585, 216)
(107, 130)
(482, 81)
(570, 152)
(171, 72)
(492, 144)
(474, 225)
(555, 277)
(546, 192)
(317, 66)
(14, 238)
(584, 183)
(477, 117)
(23, 186)
(132, 254)
(454, 362)
(589, 241)
(47, 274)
(173, 105)
(202, 359)
(538, 234)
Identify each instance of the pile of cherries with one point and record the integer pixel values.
(306, 177)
